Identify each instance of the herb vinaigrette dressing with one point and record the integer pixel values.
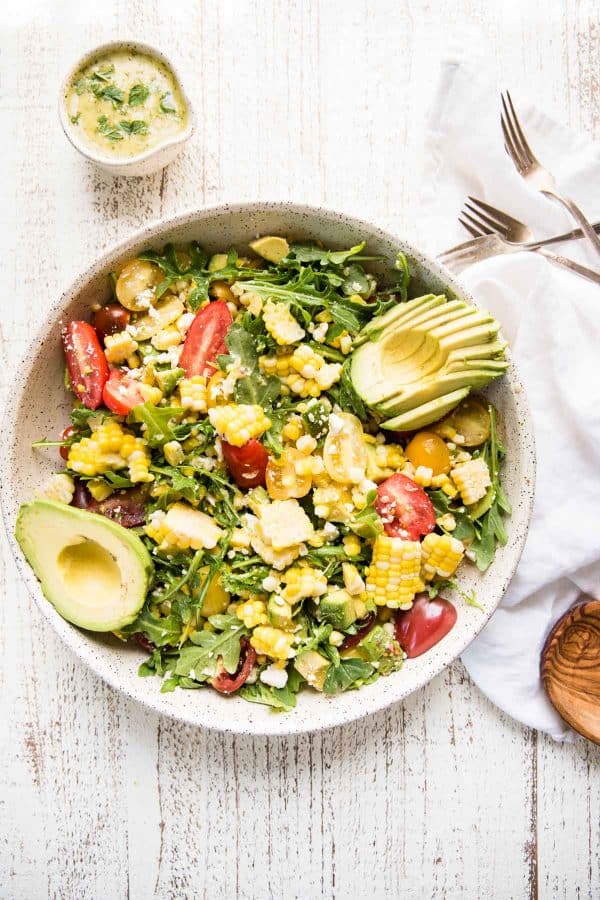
(126, 102)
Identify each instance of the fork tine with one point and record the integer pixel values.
(510, 140)
(482, 227)
(527, 149)
(491, 223)
(475, 231)
(497, 214)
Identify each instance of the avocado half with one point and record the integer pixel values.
(416, 362)
(94, 572)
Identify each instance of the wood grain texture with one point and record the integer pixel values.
(441, 797)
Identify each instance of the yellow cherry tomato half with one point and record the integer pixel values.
(283, 481)
(135, 277)
(428, 449)
(344, 452)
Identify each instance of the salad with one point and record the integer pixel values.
(275, 468)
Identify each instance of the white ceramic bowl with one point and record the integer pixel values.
(150, 160)
(39, 407)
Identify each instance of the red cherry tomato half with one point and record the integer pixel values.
(247, 464)
(404, 508)
(128, 507)
(110, 319)
(65, 435)
(225, 683)
(205, 340)
(121, 393)
(354, 639)
(144, 642)
(81, 495)
(86, 362)
(419, 628)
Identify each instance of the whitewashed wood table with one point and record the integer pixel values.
(442, 796)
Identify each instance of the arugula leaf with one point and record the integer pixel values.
(179, 483)
(117, 481)
(81, 414)
(167, 103)
(161, 631)
(356, 281)
(465, 528)
(489, 528)
(138, 94)
(208, 647)
(346, 395)
(281, 699)
(158, 421)
(344, 674)
(306, 253)
(366, 523)
(254, 387)
(401, 285)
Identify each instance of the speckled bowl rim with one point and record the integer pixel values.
(330, 714)
(110, 161)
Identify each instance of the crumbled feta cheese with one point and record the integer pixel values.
(270, 583)
(274, 676)
(336, 424)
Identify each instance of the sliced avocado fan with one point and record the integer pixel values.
(416, 362)
(94, 572)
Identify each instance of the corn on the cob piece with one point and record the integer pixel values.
(192, 393)
(472, 479)
(393, 576)
(281, 324)
(272, 642)
(59, 488)
(119, 347)
(441, 555)
(238, 423)
(303, 371)
(302, 582)
(253, 613)
(110, 448)
(182, 528)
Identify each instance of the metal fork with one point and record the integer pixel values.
(509, 228)
(494, 234)
(533, 171)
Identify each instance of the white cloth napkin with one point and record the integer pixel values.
(552, 320)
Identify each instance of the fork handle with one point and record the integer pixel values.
(574, 235)
(579, 217)
(569, 264)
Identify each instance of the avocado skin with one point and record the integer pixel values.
(86, 524)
